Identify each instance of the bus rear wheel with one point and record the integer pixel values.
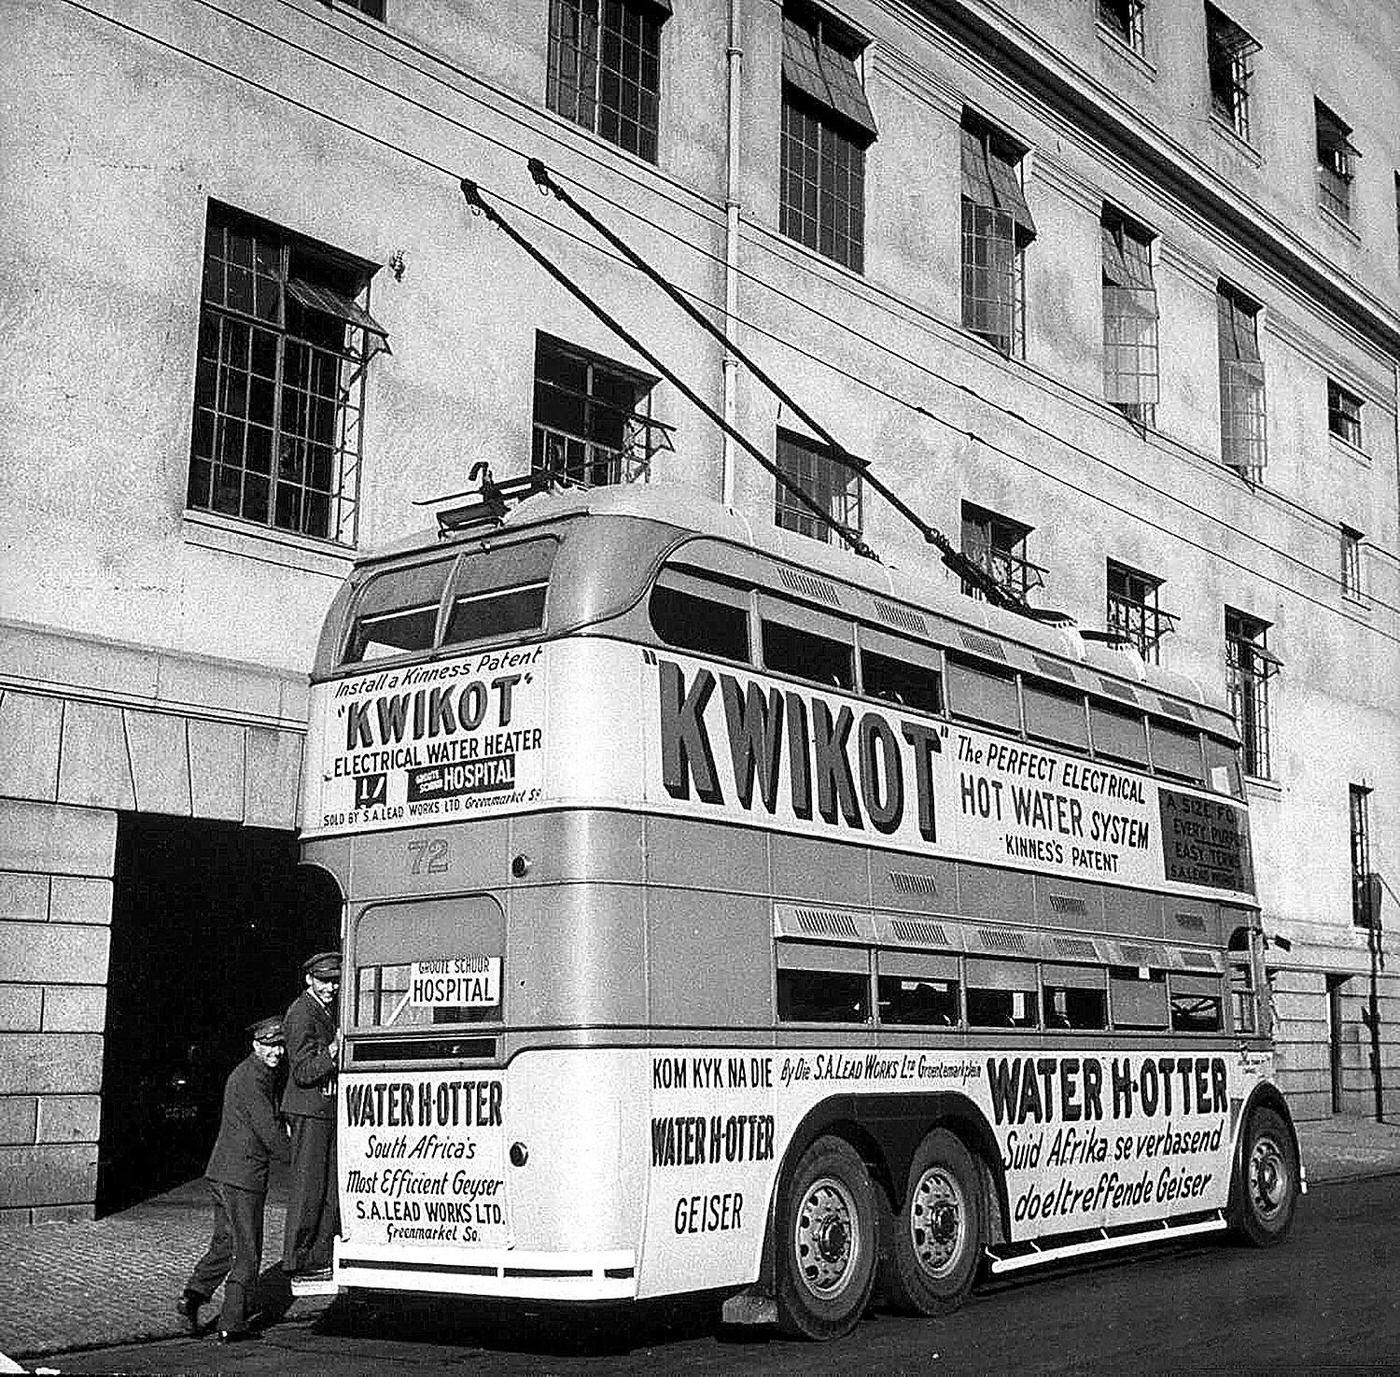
(826, 1242)
(936, 1239)
(1266, 1186)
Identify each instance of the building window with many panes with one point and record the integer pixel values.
(1129, 319)
(827, 126)
(1336, 158)
(284, 339)
(1361, 899)
(1249, 666)
(1242, 439)
(1344, 414)
(605, 68)
(373, 8)
(1134, 612)
(593, 423)
(1351, 562)
(996, 230)
(833, 486)
(1230, 61)
(1123, 19)
(997, 545)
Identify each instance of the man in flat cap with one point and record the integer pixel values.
(308, 1103)
(250, 1136)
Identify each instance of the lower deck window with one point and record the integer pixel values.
(1138, 996)
(823, 997)
(911, 1000)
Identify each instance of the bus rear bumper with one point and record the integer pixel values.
(591, 1276)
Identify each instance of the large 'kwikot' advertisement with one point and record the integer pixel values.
(604, 724)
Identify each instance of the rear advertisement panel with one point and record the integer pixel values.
(601, 723)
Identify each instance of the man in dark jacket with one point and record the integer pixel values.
(308, 1103)
(250, 1136)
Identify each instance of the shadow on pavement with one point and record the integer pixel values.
(547, 1330)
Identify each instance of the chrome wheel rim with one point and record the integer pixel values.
(1269, 1184)
(938, 1221)
(825, 1239)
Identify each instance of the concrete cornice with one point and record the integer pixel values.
(1021, 62)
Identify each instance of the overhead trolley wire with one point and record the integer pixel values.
(786, 341)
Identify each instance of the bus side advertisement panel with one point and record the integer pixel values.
(1085, 1139)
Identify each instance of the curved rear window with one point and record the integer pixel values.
(397, 612)
(500, 593)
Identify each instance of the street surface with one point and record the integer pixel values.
(1324, 1301)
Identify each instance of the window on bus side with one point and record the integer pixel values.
(1074, 996)
(897, 681)
(500, 592)
(690, 620)
(1001, 994)
(1176, 750)
(1223, 767)
(1056, 715)
(1119, 733)
(917, 988)
(1197, 1004)
(807, 655)
(983, 694)
(397, 612)
(823, 984)
(1137, 997)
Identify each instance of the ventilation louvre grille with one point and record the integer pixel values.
(998, 939)
(820, 590)
(1138, 956)
(903, 617)
(921, 934)
(816, 923)
(906, 882)
(1112, 686)
(1198, 960)
(1054, 669)
(1182, 710)
(1078, 948)
(983, 645)
(1068, 903)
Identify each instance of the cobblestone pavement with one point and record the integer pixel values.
(115, 1280)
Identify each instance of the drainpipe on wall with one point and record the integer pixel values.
(731, 244)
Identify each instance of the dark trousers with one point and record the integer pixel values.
(313, 1205)
(235, 1252)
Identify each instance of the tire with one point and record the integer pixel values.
(827, 1242)
(1266, 1181)
(935, 1242)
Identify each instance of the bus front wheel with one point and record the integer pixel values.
(936, 1240)
(1266, 1188)
(826, 1242)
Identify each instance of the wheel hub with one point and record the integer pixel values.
(937, 1221)
(824, 1237)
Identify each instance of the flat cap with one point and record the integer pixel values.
(268, 1030)
(325, 965)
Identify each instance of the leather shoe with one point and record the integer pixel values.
(187, 1308)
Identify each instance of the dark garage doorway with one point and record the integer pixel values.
(210, 924)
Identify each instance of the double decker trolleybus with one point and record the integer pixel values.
(724, 911)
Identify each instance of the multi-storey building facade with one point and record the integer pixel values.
(1105, 289)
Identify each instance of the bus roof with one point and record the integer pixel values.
(930, 585)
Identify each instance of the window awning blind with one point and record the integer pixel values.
(1127, 272)
(1239, 337)
(989, 178)
(825, 74)
(332, 303)
(1225, 39)
(1333, 136)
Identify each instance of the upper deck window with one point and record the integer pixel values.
(794, 642)
(692, 615)
(983, 694)
(1056, 715)
(897, 681)
(500, 593)
(1118, 733)
(1176, 750)
(397, 612)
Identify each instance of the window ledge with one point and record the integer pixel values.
(1345, 447)
(210, 531)
(1265, 788)
(1236, 140)
(1358, 602)
(1344, 227)
(1126, 51)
